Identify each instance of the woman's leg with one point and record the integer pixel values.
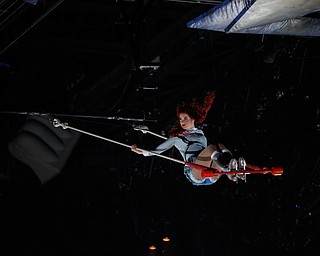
(223, 158)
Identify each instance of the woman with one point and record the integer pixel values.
(192, 143)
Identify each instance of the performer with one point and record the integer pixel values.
(192, 144)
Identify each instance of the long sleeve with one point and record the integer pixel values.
(189, 145)
(169, 143)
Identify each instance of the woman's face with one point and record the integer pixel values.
(186, 121)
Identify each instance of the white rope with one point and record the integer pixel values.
(144, 129)
(58, 123)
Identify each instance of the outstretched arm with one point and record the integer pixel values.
(169, 143)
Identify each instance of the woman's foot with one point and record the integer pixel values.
(233, 166)
(242, 166)
(237, 165)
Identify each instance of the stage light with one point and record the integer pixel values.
(166, 239)
(152, 248)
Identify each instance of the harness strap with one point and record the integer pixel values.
(189, 143)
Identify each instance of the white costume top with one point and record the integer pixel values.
(190, 143)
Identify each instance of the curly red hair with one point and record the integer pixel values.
(196, 110)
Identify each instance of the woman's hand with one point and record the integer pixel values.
(134, 149)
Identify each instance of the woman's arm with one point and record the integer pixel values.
(169, 143)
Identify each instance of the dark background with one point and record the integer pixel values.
(104, 66)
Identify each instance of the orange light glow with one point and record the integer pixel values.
(152, 247)
(166, 239)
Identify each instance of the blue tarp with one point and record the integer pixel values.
(280, 17)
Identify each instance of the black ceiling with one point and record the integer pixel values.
(105, 66)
